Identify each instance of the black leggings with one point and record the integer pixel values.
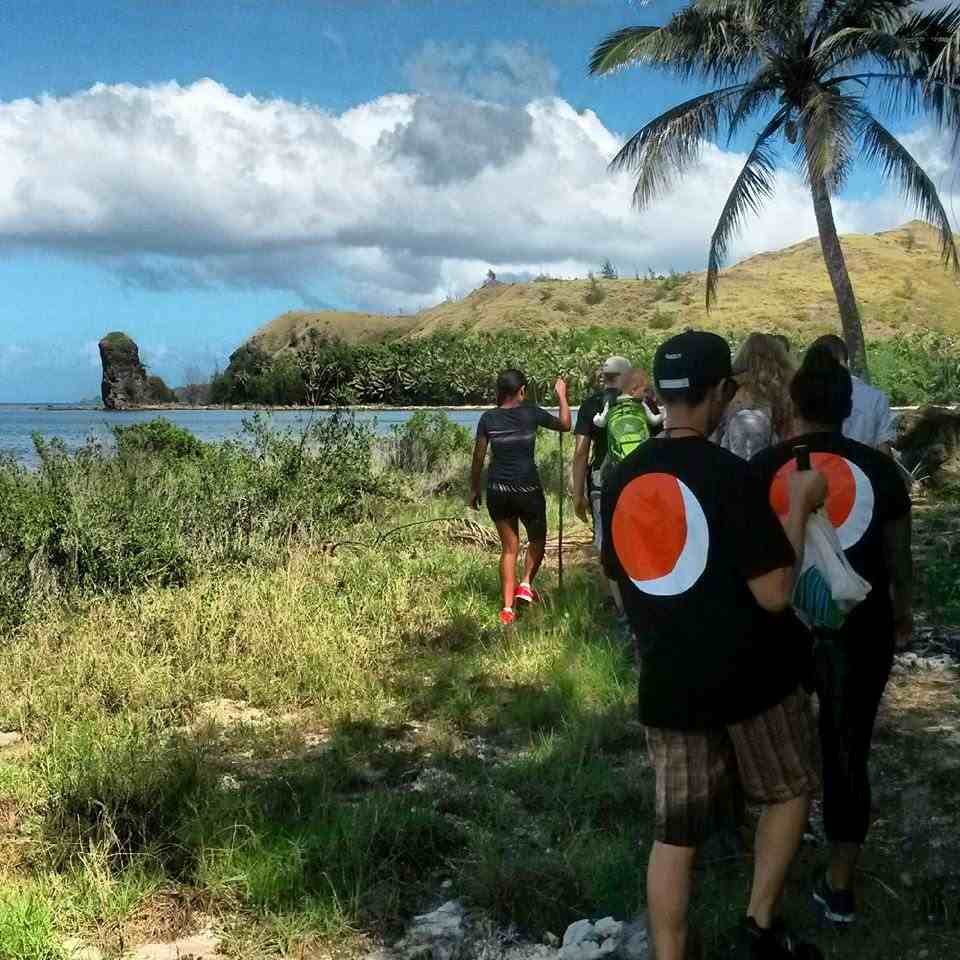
(852, 669)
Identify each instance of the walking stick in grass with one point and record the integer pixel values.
(563, 485)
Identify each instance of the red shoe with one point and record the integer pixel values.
(507, 616)
(526, 593)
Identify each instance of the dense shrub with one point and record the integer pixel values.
(426, 441)
(448, 368)
(165, 505)
(917, 369)
(157, 437)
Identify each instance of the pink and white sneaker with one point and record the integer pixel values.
(526, 593)
(507, 616)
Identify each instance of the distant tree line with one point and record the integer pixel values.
(451, 368)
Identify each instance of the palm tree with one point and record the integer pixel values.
(816, 71)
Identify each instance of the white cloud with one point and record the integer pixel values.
(405, 199)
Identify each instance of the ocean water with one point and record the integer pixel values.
(75, 425)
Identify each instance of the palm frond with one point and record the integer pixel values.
(718, 45)
(896, 163)
(946, 65)
(830, 121)
(836, 15)
(619, 50)
(766, 16)
(753, 185)
(905, 92)
(912, 44)
(668, 145)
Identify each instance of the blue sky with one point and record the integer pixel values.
(185, 172)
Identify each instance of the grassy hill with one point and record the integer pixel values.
(898, 275)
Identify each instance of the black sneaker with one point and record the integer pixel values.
(838, 906)
(777, 943)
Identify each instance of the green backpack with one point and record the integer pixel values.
(626, 428)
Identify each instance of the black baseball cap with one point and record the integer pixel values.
(691, 359)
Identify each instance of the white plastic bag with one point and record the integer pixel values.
(828, 588)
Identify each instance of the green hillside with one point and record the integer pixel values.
(898, 275)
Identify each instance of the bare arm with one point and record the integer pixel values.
(774, 590)
(581, 457)
(476, 469)
(566, 421)
(899, 563)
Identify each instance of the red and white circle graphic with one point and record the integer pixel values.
(849, 495)
(660, 534)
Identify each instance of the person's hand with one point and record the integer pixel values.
(475, 500)
(903, 630)
(560, 387)
(582, 509)
(808, 488)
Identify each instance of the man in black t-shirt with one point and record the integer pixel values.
(591, 445)
(868, 505)
(706, 571)
(590, 452)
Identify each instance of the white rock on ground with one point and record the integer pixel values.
(608, 927)
(585, 940)
(438, 935)
(578, 932)
(10, 739)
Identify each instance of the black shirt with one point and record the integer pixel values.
(512, 434)
(585, 427)
(865, 491)
(685, 525)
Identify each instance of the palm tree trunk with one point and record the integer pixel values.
(839, 278)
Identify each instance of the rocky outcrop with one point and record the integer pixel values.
(126, 382)
(929, 442)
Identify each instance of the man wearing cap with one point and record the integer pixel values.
(707, 572)
(591, 448)
(591, 451)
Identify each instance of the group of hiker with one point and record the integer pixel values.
(700, 482)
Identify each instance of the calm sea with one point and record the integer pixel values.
(74, 426)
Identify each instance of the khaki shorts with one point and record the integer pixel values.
(769, 758)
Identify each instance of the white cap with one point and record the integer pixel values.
(615, 365)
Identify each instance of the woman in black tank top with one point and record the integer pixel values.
(514, 492)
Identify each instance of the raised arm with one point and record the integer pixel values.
(565, 419)
(476, 470)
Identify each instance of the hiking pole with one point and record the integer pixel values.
(563, 486)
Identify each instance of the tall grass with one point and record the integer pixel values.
(165, 506)
(313, 742)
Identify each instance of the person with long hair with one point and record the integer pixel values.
(868, 504)
(761, 413)
(514, 491)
